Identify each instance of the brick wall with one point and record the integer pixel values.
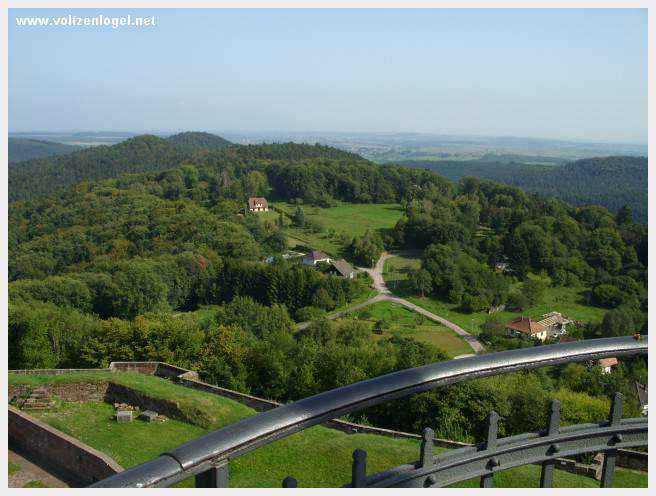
(76, 462)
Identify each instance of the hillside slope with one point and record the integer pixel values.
(21, 149)
(608, 181)
(42, 176)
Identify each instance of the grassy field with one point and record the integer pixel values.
(317, 457)
(339, 223)
(566, 300)
(406, 323)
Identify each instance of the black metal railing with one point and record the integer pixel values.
(207, 458)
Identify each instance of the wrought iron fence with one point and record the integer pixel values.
(207, 458)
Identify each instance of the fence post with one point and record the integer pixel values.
(217, 476)
(490, 444)
(359, 468)
(289, 482)
(608, 466)
(546, 477)
(426, 449)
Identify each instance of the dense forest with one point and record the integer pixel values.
(167, 264)
(612, 182)
(45, 175)
(194, 141)
(21, 149)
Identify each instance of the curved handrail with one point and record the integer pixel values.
(239, 438)
(461, 464)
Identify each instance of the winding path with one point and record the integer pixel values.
(384, 294)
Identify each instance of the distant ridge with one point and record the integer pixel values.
(608, 181)
(41, 176)
(195, 140)
(21, 149)
(147, 153)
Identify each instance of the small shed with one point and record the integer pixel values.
(342, 268)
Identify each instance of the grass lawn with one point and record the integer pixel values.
(340, 223)
(206, 410)
(316, 457)
(566, 300)
(13, 468)
(406, 323)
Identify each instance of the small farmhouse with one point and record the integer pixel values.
(607, 364)
(526, 326)
(314, 257)
(342, 268)
(258, 205)
(555, 324)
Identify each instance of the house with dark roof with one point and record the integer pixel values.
(256, 204)
(314, 257)
(342, 268)
(526, 327)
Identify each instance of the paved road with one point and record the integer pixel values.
(384, 294)
(30, 472)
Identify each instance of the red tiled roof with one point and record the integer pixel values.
(252, 202)
(607, 362)
(525, 325)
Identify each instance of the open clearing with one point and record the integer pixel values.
(339, 224)
(403, 322)
(566, 300)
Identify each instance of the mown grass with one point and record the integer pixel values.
(339, 224)
(406, 323)
(317, 457)
(566, 300)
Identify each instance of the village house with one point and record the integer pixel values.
(527, 327)
(552, 325)
(314, 257)
(342, 268)
(258, 204)
(607, 364)
(555, 324)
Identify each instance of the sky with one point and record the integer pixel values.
(562, 73)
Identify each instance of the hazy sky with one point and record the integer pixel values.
(543, 73)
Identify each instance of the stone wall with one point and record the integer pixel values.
(76, 462)
(54, 371)
(75, 392)
(635, 460)
(142, 367)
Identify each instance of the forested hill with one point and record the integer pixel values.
(612, 182)
(21, 149)
(193, 141)
(43, 176)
